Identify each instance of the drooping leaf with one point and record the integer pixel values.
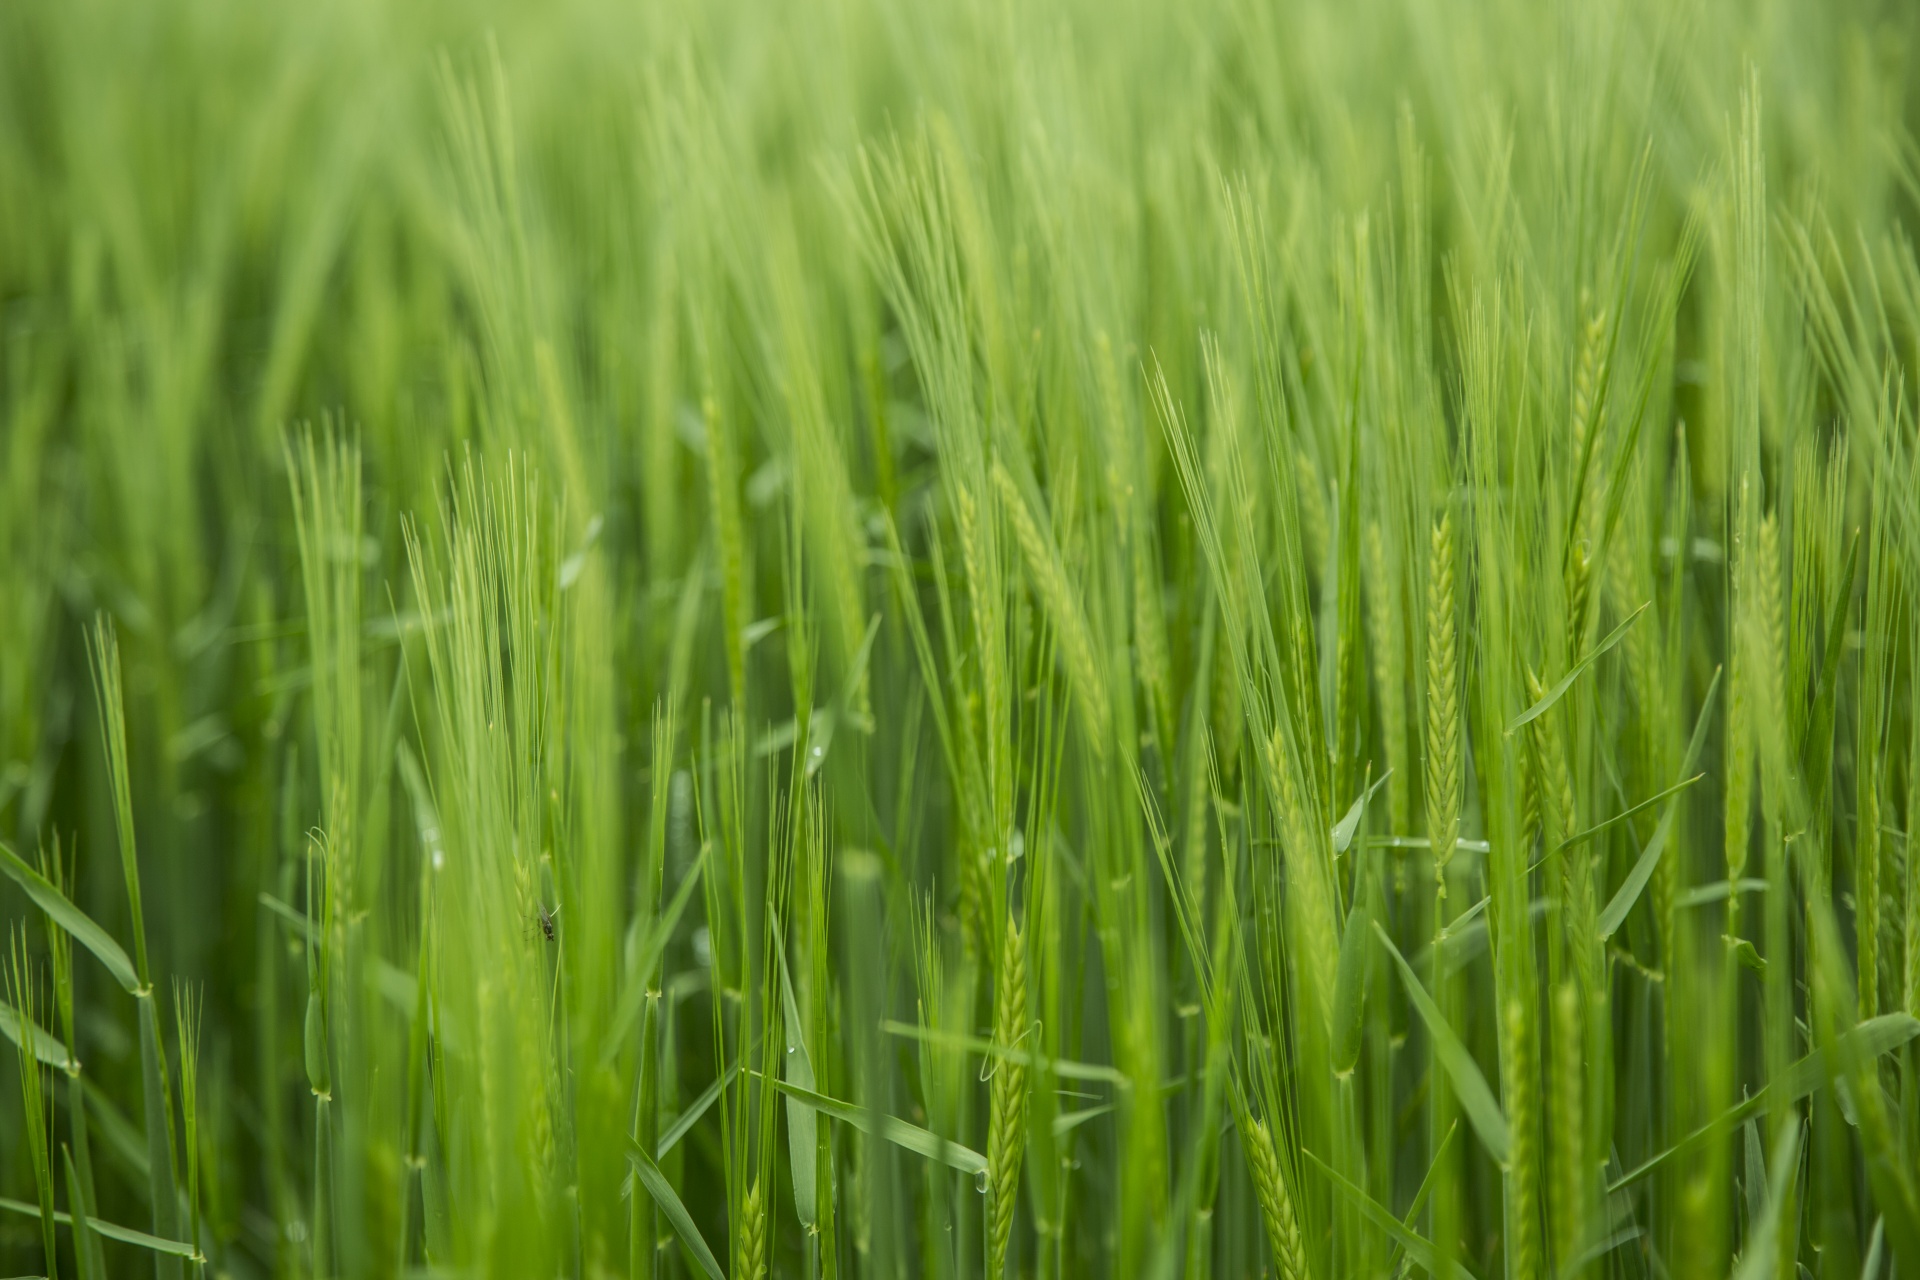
(85, 1248)
(1469, 1085)
(1344, 829)
(803, 1139)
(46, 1046)
(1763, 1238)
(71, 918)
(1717, 891)
(1065, 1068)
(697, 1108)
(1870, 1039)
(1565, 682)
(1818, 748)
(901, 1134)
(1608, 824)
(633, 992)
(125, 1235)
(1630, 889)
(1350, 985)
(1418, 1247)
(1067, 1121)
(670, 1204)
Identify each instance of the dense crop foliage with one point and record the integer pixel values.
(1119, 638)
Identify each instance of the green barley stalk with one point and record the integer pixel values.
(163, 1175)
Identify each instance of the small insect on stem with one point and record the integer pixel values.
(543, 921)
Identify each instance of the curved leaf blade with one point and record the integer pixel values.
(1469, 1085)
(670, 1204)
(901, 1134)
(46, 1047)
(125, 1235)
(1636, 882)
(71, 918)
(1565, 682)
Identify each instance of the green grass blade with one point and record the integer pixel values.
(1876, 1251)
(1565, 682)
(670, 1204)
(1868, 1040)
(1630, 889)
(1763, 1237)
(633, 994)
(1418, 1247)
(1718, 891)
(125, 1235)
(1065, 1068)
(161, 1183)
(803, 1140)
(71, 918)
(83, 1242)
(1618, 818)
(1469, 1085)
(1067, 1121)
(1350, 986)
(1350, 822)
(46, 1046)
(699, 1107)
(906, 1136)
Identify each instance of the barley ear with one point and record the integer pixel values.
(751, 1261)
(1062, 604)
(1006, 1140)
(1569, 1073)
(1523, 1184)
(1866, 895)
(1388, 664)
(1276, 1204)
(1443, 708)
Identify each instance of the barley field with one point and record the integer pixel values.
(850, 638)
